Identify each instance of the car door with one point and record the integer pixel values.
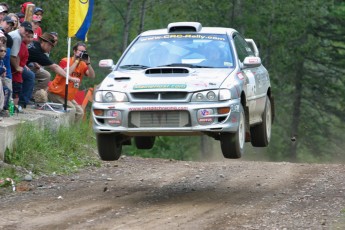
(252, 80)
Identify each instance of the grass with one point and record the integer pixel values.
(46, 151)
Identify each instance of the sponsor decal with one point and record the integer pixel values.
(205, 112)
(160, 86)
(206, 119)
(198, 36)
(240, 76)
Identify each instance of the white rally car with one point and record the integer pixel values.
(184, 80)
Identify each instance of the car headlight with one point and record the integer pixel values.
(208, 95)
(107, 96)
(224, 94)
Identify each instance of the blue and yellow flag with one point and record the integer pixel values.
(79, 18)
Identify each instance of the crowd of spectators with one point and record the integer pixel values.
(25, 61)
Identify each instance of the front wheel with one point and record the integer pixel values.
(261, 134)
(109, 146)
(232, 144)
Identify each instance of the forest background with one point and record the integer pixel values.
(301, 43)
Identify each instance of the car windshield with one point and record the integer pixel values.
(186, 50)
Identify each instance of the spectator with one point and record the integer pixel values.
(36, 21)
(79, 66)
(3, 11)
(38, 11)
(38, 56)
(7, 24)
(17, 36)
(17, 78)
(23, 9)
(15, 20)
(4, 90)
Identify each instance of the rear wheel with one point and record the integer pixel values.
(144, 142)
(261, 134)
(109, 146)
(232, 144)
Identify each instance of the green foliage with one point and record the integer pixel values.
(46, 151)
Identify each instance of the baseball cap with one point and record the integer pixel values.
(27, 25)
(8, 19)
(37, 9)
(3, 9)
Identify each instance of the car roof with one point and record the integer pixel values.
(189, 28)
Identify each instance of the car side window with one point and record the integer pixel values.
(242, 47)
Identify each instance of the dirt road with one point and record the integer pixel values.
(136, 193)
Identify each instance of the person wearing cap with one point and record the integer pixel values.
(15, 20)
(3, 11)
(80, 66)
(36, 21)
(17, 78)
(38, 57)
(17, 36)
(38, 11)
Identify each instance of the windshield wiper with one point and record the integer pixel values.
(135, 66)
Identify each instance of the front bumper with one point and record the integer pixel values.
(134, 119)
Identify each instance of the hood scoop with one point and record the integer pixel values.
(166, 70)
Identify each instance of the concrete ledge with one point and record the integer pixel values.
(40, 118)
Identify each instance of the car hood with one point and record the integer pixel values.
(162, 79)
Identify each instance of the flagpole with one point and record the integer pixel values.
(67, 72)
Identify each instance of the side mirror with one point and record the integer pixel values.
(251, 62)
(106, 63)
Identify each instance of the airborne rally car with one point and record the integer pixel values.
(184, 80)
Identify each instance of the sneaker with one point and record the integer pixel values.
(4, 113)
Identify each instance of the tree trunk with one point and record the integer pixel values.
(127, 23)
(142, 16)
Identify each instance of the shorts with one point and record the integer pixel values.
(17, 89)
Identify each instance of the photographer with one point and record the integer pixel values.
(80, 66)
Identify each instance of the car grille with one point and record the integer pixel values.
(141, 119)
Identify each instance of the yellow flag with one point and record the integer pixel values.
(79, 18)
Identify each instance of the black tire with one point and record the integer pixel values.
(109, 146)
(232, 144)
(144, 142)
(261, 134)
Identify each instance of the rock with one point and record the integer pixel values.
(28, 177)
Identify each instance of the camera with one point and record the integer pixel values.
(84, 55)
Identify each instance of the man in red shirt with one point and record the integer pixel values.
(80, 66)
(17, 77)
